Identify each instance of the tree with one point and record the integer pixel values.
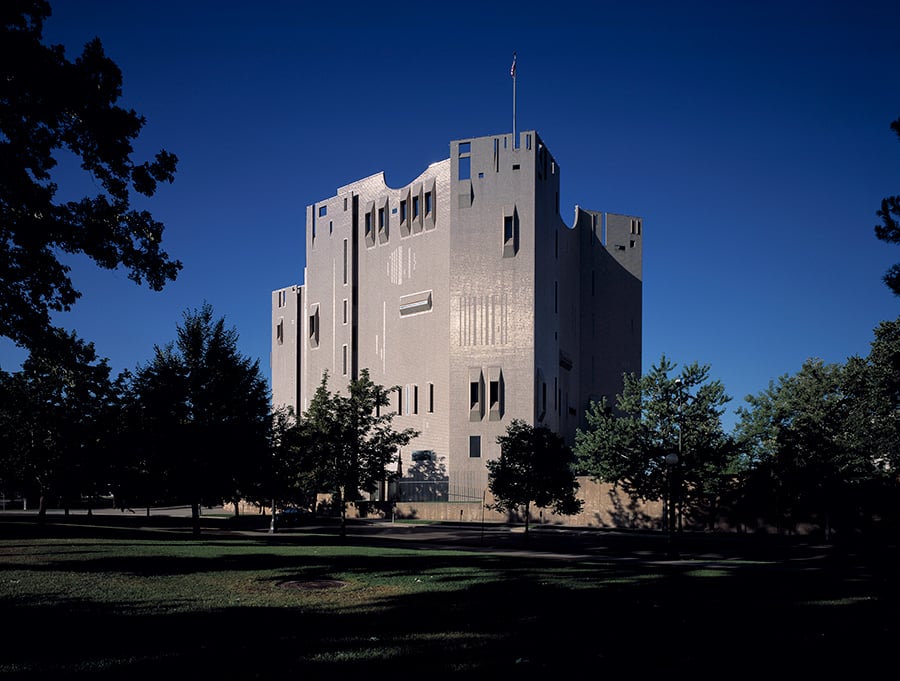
(535, 467)
(351, 443)
(50, 105)
(205, 412)
(655, 416)
(798, 431)
(57, 418)
(889, 229)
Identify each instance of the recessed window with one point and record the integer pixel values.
(473, 395)
(429, 200)
(344, 360)
(345, 262)
(381, 218)
(465, 168)
(510, 234)
(415, 303)
(403, 211)
(515, 166)
(323, 211)
(415, 207)
(474, 446)
(465, 147)
(313, 326)
(279, 331)
(431, 398)
(345, 310)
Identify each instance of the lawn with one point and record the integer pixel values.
(102, 601)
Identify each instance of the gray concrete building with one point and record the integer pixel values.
(468, 291)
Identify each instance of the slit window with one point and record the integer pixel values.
(313, 330)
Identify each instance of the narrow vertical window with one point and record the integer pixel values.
(465, 168)
(344, 360)
(415, 399)
(474, 446)
(403, 211)
(345, 262)
(415, 207)
(345, 310)
(473, 395)
(431, 398)
(279, 331)
(381, 218)
(428, 203)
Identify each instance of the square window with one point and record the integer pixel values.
(323, 211)
(465, 147)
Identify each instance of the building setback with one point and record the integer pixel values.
(467, 291)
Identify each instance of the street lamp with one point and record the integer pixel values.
(671, 462)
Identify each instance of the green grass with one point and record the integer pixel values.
(127, 603)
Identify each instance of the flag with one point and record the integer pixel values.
(512, 69)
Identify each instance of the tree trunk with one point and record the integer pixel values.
(527, 518)
(195, 518)
(42, 508)
(343, 503)
(237, 509)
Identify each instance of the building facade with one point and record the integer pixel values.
(467, 291)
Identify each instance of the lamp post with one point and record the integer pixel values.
(671, 462)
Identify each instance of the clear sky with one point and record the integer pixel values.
(751, 137)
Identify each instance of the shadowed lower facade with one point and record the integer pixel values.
(467, 291)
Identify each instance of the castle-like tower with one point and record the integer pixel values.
(467, 291)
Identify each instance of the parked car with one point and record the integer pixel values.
(291, 517)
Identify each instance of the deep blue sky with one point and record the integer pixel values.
(752, 137)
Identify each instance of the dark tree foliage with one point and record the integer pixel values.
(658, 414)
(50, 106)
(57, 420)
(349, 440)
(889, 229)
(535, 467)
(822, 445)
(204, 414)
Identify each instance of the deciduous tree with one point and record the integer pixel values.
(51, 106)
(535, 467)
(658, 414)
(351, 440)
(889, 229)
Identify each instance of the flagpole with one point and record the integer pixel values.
(512, 72)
